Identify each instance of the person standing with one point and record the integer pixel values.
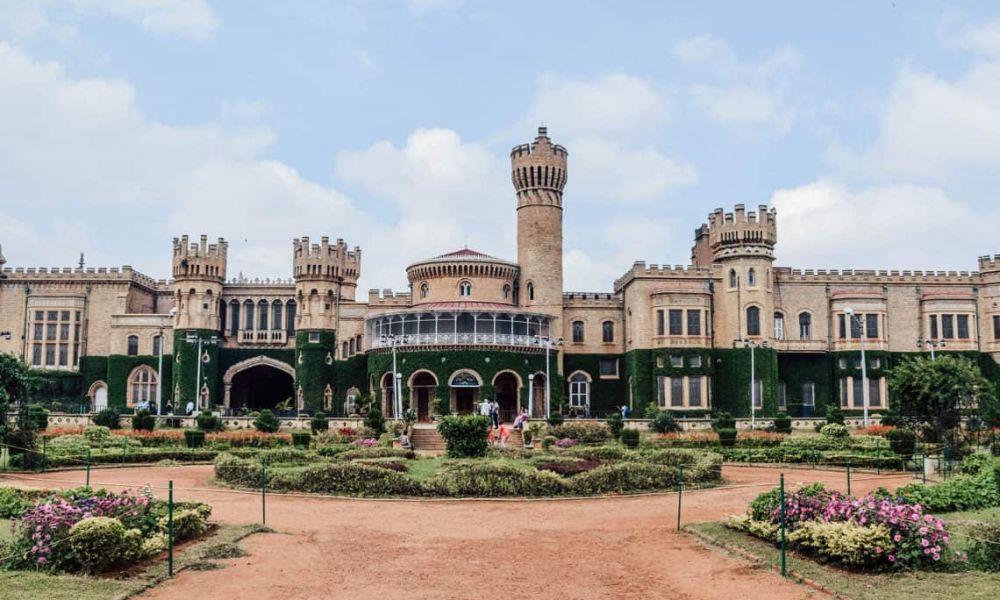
(495, 413)
(485, 408)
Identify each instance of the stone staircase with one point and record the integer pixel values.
(425, 438)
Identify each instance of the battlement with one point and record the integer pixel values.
(540, 165)
(641, 270)
(90, 275)
(741, 233)
(200, 260)
(325, 260)
(387, 297)
(989, 264)
(785, 274)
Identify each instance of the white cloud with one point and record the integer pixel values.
(192, 19)
(606, 169)
(750, 97)
(420, 7)
(623, 240)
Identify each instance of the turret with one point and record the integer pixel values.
(199, 270)
(742, 234)
(323, 272)
(539, 174)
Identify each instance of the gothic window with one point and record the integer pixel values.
(733, 280)
(133, 345)
(660, 323)
(805, 326)
(607, 332)
(465, 289)
(871, 325)
(963, 326)
(996, 327)
(248, 315)
(290, 318)
(142, 386)
(694, 322)
(234, 318)
(947, 326)
(753, 321)
(531, 291)
(933, 327)
(694, 391)
(577, 332)
(262, 315)
(506, 292)
(579, 390)
(424, 290)
(276, 315)
(157, 345)
(779, 326)
(752, 278)
(676, 323)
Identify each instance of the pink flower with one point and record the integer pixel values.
(897, 538)
(924, 542)
(937, 556)
(878, 549)
(923, 531)
(892, 558)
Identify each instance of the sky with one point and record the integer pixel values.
(873, 127)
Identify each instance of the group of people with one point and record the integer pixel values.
(168, 408)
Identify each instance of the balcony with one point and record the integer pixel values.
(262, 337)
(492, 326)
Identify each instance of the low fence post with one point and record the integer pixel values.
(784, 564)
(124, 448)
(45, 455)
(680, 493)
(263, 492)
(848, 478)
(170, 529)
(88, 467)
(878, 460)
(923, 466)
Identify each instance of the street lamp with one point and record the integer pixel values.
(864, 364)
(548, 343)
(392, 340)
(192, 337)
(159, 367)
(932, 344)
(748, 343)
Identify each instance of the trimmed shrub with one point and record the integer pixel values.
(664, 422)
(376, 452)
(963, 492)
(585, 432)
(237, 471)
(489, 479)
(319, 422)
(723, 420)
(555, 419)
(568, 468)
(902, 441)
(615, 424)
(727, 437)
(549, 441)
(834, 415)
(208, 422)
(375, 421)
(350, 478)
(843, 542)
(465, 437)
(625, 477)
(109, 418)
(599, 452)
(301, 439)
(194, 438)
(143, 420)
(39, 417)
(332, 450)
(266, 422)
(984, 551)
(187, 524)
(630, 438)
(835, 431)
(97, 435)
(97, 543)
(783, 423)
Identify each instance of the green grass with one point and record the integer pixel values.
(423, 469)
(966, 585)
(5, 532)
(30, 585)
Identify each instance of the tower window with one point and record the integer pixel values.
(607, 332)
(424, 290)
(506, 292)
(779, 326)
(753, 321)
(133, 345)
(465, 289)
(577, 332)
(531, 291)
(733, 280)
(752, 278)
(805, 326)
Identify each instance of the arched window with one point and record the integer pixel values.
(424, 290)
(752, 278)
(133, 345)
(290, 318)
(531, 291)
(465, 289)
(579, 390)
(753, 321)
(577, 332)
(157, 345)
(343, 350)
(248, 315)
(234, 318)
(779, 326)
(276, 315)
(805, 326)
(506, 292)
(350, 347)
(732, 278)
(142, 386)
(262, 315)
(607, 332)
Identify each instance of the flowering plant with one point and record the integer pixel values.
(879, 430)
(347, 431)
(251, 439)
(365, 442)
(565, 443)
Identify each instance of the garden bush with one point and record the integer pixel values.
(568, 468)
(964, 492)
(97, 435)
(549, 441)
(109, 418)
(835, 431)
(625, 477)
(723, 420)
(237, 471)
(319, 422)
(266, 422)
(374, 420)
(465, 437)
(494, 479)
(375, 452)
(206, 421)
(143, 420)
(843, 542)
(38, 416)
(984, 549)
(902, 441)
(188, 524)
(615, 423)
(301, 439)
(248, 439)
(98, 543)
(834, 415)
(608, 452)
(630, 438)
(349, 478)
(783, 423)
(194, 438)
(727, 437)
(664, 422)
(582, 431)
(13, 503)
(555, 419)
(332, 450)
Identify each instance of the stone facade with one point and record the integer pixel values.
(473, 325)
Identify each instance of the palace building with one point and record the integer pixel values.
(473, 326)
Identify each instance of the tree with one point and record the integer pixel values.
(935, 393)
(13, 388)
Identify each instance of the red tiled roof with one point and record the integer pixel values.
(467, 306)
(465, 252)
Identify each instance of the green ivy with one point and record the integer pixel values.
(119, 368)
(606, 395)
(312, 373)
(185, 363)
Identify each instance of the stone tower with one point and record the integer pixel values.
(199, 271)
(538, 172)
(326, 275)
(989, 303)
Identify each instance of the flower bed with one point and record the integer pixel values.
(876, 532)
(83, 531)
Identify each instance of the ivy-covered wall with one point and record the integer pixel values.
(92, 368)
(796, 370)
(314, 367)
(606, 395)
(120, 367)
(731, 382)
(352, 372)
(185, 370)
(642, 371)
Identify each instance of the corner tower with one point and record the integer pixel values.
(325, 276)
(538, 172)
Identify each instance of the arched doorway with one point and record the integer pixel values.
(538, 395)
(464, 391)
(388, 396)
(259, 387)
(506, 386)
(422, 387)
(99, 396)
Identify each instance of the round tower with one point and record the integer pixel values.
(538, 172)
(199, 271)
(325, 276)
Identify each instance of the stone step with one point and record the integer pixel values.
(428, 439)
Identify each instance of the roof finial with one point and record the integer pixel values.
(81, 261)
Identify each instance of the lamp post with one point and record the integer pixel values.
(748, 343)
(548, 343)
(864, 364)
(391, 339)
(932, 344)
(190, 338)
(531, 394)
(159, 375)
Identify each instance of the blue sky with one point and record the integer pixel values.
(873, 127)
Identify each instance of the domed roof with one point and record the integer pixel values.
(463, 255)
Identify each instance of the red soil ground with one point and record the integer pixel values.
(359, 549)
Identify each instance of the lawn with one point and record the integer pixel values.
(30, 585)
(5, 535)
(971, 585)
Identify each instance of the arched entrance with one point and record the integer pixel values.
(388, 396)
(538, 395)
(258, 383)
(464, 386)
(506, 386)
(99, 396)
(423, 384)
(260, 387)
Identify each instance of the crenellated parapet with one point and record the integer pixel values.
(592, 299)
(989, 265)
(538, 171)
(325, 260)
(89, 275)
(201, 260)
(640, 270)
(741, 233)
(388, 298)
(880, 276)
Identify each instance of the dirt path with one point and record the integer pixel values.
(594, 548)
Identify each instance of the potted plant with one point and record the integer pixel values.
(437, 406)
(532, 432)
